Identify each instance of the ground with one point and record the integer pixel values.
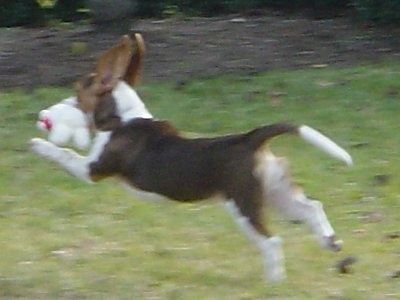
(182, 49)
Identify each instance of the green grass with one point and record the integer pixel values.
(62, 239)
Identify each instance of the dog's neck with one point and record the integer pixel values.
(128, 103)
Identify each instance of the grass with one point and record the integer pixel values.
(62, 239)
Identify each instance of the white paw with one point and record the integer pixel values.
(331, 243)
(274, 258)
(41, 146)
(276, 275)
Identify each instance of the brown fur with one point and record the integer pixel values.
(105, 114)
(152, 156)
(119, 62)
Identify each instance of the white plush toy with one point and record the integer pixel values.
(64, 122)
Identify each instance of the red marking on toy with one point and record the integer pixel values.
(47, 123)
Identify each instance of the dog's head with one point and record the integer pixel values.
(106, 95)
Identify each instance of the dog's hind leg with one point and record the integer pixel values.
(291, 201)
(270, 246)
(296, 205)
(72, 162)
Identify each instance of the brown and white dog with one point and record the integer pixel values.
(155, 161)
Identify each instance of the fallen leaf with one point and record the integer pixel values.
(393, 235)
(343, 265)
(373, 216)
(323, 83)
(395, 274)
(319, 66)
(381, 179)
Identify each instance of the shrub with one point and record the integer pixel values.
(152, 8)
(20, 12)
(379, 11)
(105, 11)
(68, 10)
(28, 12)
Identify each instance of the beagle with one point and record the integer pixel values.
(155, 161)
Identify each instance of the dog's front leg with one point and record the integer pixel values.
(72, 162)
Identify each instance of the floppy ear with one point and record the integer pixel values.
(132, 75)
(112, 65)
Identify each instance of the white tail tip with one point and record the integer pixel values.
(322, 142)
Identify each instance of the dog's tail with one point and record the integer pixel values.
(259, 136)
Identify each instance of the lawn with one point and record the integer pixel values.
(63, 239)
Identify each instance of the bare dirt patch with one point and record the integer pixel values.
(179, 50)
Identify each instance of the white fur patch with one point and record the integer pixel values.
(101, 139)
(129, 105)
(142, 195)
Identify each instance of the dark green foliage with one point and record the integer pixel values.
(68, 10)
(28, 12)
(379, 11)
(20, 12)
(151, 8)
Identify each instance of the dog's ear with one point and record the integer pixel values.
(132, 75)
(112, 65)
